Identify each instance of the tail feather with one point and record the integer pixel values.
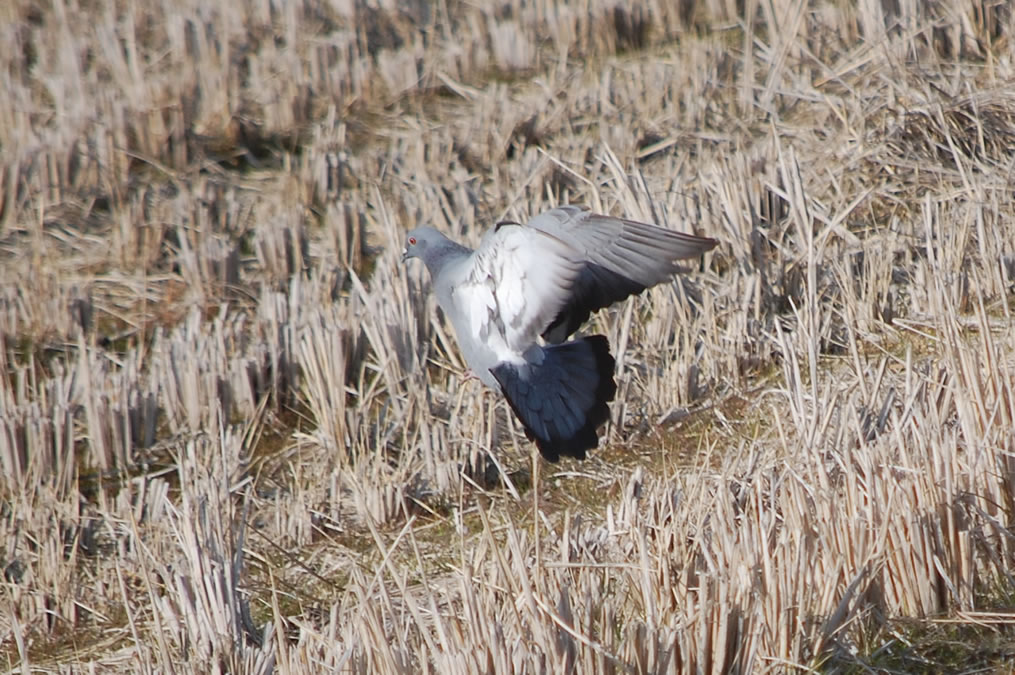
(562, 401)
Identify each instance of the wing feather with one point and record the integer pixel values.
(618, 258)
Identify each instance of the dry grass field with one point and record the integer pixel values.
(235, 433)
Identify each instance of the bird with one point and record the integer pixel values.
(516, 299)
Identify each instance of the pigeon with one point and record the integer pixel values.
(516, 299)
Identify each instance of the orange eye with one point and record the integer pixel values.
(412, 241)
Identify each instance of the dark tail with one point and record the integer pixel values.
(563, 400)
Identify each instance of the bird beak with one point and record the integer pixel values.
(405, 256)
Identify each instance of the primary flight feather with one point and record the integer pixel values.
(543, 280)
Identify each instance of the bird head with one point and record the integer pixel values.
(420, 241)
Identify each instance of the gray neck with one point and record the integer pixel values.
(435, 257)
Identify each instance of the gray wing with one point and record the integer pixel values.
(619, 258)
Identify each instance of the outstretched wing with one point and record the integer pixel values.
(617, 257)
